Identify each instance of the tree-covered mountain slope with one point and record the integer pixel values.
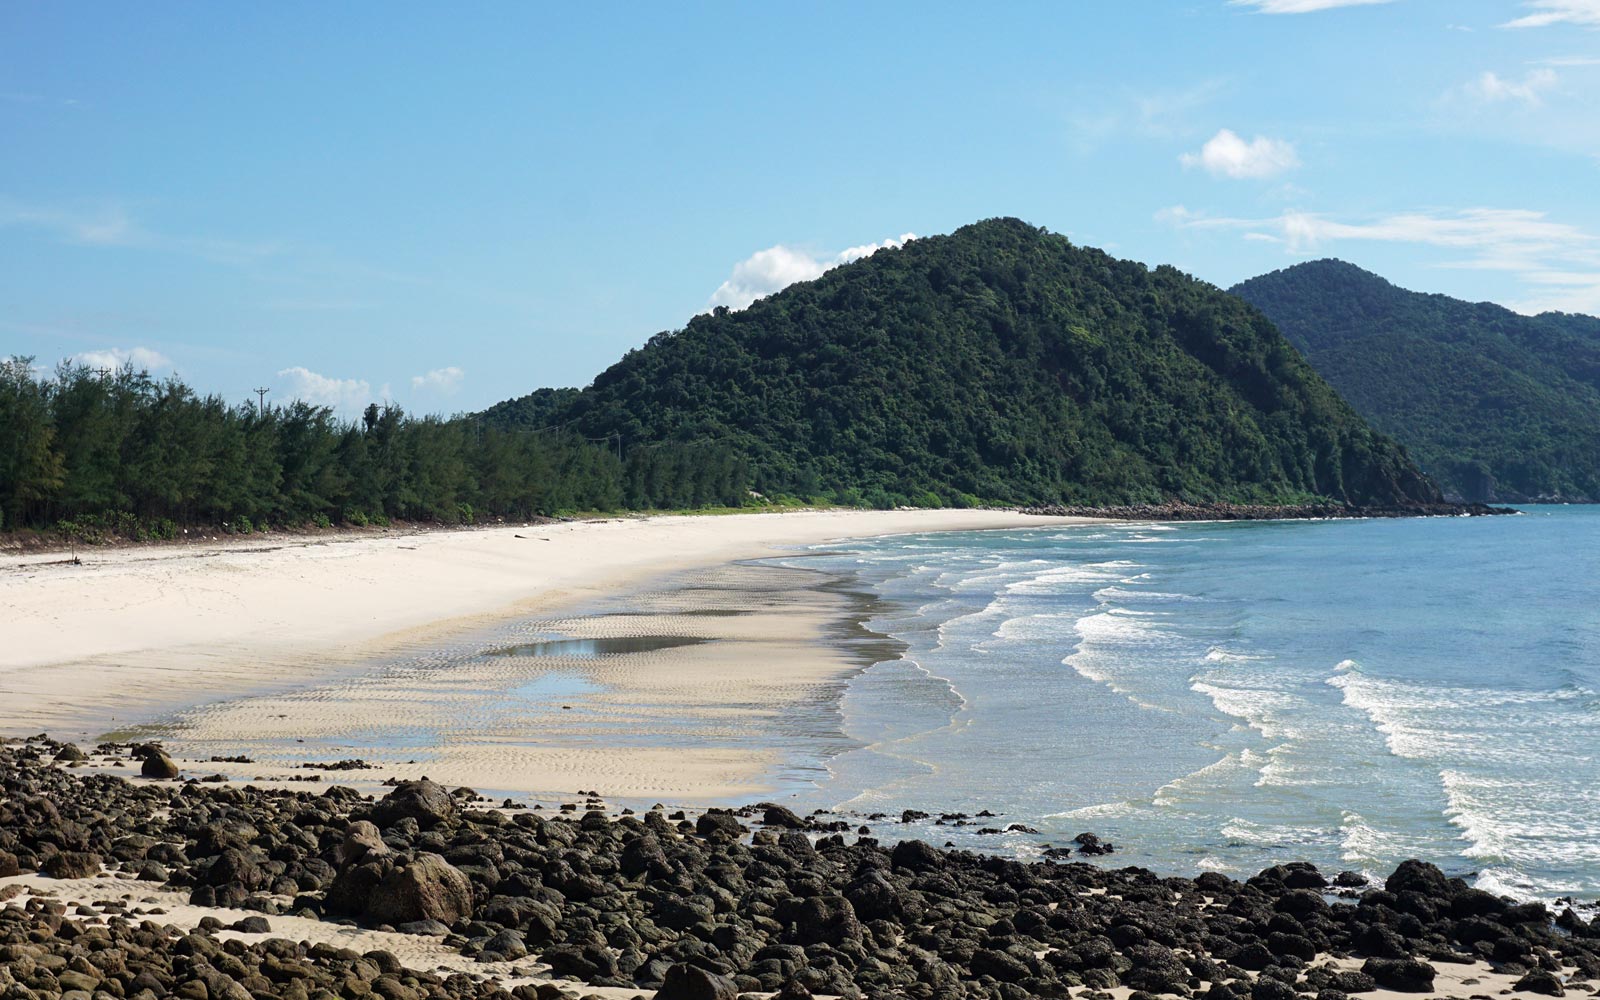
(1492, 404)
(1002, 363)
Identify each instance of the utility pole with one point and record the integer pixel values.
(261, 400)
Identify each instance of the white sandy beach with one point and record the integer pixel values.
(270, 634)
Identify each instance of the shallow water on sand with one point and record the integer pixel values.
(1222, 696)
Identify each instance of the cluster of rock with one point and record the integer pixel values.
(734, 902)
(1175, 510)
(44, 953)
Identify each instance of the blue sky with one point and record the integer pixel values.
(450, 206)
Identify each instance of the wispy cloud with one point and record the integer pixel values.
(1558, 263)
(778, 267)
(1300, 6)
(1491, 86)
(113, 358)
(19, 97)
(441, 380)
(346, 395)
(110, 224)
(1585, 13)
(1227, 155)
(1099, 115)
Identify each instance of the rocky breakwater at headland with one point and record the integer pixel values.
(695, 908)
(1178, 511)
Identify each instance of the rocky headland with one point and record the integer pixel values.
(1174, 510)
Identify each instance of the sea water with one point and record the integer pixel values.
(1225, 696)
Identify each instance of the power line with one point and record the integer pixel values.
(261, 399)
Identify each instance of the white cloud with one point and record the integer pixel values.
(1491, 87)
(1300, 6)
(113, 358)
(1548, 12)
(1558, 263)
(346, 395)
(1227, 155)
(440, 380)
(776, 268)
(1565, 61)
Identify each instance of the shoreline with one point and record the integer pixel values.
(137, 637)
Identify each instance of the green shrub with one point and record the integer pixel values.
(321, 520)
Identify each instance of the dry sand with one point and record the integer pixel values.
(371, 647)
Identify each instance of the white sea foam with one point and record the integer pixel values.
(1100, 810)
(1216, 654)
(1116, 593)
(1197, 785)
(1057, 580)
(1262, 709)
(1271, 834)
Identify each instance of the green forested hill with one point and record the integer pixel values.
(1003, 363)
(1493, 405)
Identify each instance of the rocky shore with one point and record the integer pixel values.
(1175, 511)
(726, 903)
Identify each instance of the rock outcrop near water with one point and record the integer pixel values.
(721, 905)
(1179, 511)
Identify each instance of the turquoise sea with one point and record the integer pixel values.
(1221, 696)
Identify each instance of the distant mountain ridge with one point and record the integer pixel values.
(1494, 405)
(999, 363)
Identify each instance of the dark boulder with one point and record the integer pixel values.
(424, 801)
(690, 982)
(829, 920)
(1421, 877)
(234, 866)
(158, 765)
(718, 824)
(776, 815)
(917, 856)
(587, 962)
(1541, 982)
(1404, 975)
(361, 840)
(72, 864)
(426, 889)
(1267, 988)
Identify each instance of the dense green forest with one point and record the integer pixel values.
(98, 453)
(999, 363)
(1493, 405)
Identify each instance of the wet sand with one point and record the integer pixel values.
(420, 652)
